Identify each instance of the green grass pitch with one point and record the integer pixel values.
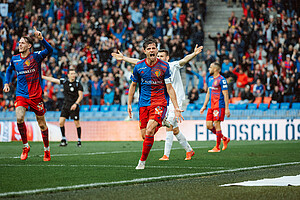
(110, 166)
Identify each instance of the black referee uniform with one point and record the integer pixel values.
(71, 95)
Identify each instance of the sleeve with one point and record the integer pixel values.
(196, 74)
(62, 80)
(9, 71)
(167, 77)
(42, 54)
(177, 65)
(80, 88)
(135, 76)
(223, 84)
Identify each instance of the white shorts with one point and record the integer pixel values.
(171, 114)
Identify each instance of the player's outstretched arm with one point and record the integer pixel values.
(189, 57)
(130, 97)
(51, 79)
(173, 98)
(205, 102)
(226, 99)
(120, 56)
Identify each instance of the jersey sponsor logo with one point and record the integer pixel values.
(26, 71)
(151, 82)
(157, 73)
(27, 62)
(213, 88)
(216, 113)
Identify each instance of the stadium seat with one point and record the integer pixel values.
(296, 106)
(235, 99)
(198, 106)
(95, 108)
(195, 113)
(267, 100)
(258, 100)
(115, 107)
(191, 107)
(284, 106)
(104, 108)
(274, 106)
(252, 106)
(135, 107)
(232, 106)
(123, 108)
(263, 106)
(201, 98)
(241, 106)
(186, 114)
(84, 108)
(258, 113)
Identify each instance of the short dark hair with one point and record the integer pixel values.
(217, 65)
(71, 69)
(148, 41)
(28, 39)
(164, 51)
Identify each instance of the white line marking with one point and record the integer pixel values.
(115, 166)
(140, 180)
(102, 153)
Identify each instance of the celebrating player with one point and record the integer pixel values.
(154, 78)
(29, 91)
(73, 92)
(217, 95)
(178, 87)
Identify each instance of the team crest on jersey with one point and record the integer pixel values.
(215, 113)
(27, 62)
(216, 82)
(158, 110)
(157, 73)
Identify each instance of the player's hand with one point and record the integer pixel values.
(118, 56)
(227, 112)
(178, 116)
(197, 49)
(74, 106)
(202, 110)
(37, 34)
(6, 88)
(129, 110)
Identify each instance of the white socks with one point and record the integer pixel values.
(182, 140)
(168, 143)
(26, 145)
(46, 148)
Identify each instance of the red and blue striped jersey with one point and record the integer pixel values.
(216, 86)
(28, 72)
(152, 80)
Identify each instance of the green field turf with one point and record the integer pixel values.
(112, 164)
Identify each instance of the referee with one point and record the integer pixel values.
(73, 92)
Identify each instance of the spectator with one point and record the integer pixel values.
(96, 90)
(288, 92)
(270, 82)
(246, 96)
(258, 89)
(193, 95)
(277, 95)
(242, 80)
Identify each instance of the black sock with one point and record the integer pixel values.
(79, 132)
(62, 129)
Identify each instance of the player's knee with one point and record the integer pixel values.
(209, 126)
(20, 120)
(149, 132)
(175, 131)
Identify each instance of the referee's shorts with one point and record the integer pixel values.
(67, 113)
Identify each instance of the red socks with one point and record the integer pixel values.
(213, 130)
(147, 145)
(23, 132)
(45, 138)
(219, 137)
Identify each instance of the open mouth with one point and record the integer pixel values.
(152, 54)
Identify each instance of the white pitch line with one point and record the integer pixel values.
(115, 166)
(140, 180)
(102, 153)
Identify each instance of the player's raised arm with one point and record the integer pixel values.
(48, 47)
(51, 79)
(120, 56)
(205, 102)
(189, 57)
(173, 98)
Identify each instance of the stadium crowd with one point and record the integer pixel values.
(85, 33)
(259, 53)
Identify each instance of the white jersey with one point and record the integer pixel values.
(177, 82)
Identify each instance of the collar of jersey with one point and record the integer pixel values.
(150, 65)
(25, 57)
